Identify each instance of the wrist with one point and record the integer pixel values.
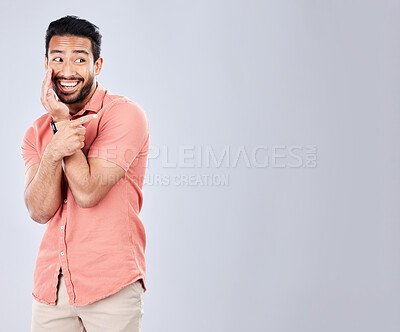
(60, 124)
(56, 126)
(60, 118)
(52, 154)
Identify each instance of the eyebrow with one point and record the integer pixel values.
(74, 51)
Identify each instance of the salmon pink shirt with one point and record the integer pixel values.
(100, 249)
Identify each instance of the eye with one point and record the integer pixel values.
(58, 59)
(80, 60)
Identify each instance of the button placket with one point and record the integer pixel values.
(63, 256)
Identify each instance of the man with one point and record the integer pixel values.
(85, 163)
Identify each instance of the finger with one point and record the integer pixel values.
(51, 99)
(81, 130)
(83, 119)
(45, 87)
(49, 81)
(46, 80)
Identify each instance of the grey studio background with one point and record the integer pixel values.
(298, 230)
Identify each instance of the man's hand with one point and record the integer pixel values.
(58, 110)
(69, 138)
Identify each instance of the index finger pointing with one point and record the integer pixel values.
(83, 119)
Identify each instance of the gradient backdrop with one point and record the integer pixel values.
(271, 202)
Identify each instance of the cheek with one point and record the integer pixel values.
(56, 69)
(90, 77)
(86, 74)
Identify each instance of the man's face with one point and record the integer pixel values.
(74, 72)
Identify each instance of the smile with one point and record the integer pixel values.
(67, 85)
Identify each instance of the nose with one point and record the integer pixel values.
(67, 69)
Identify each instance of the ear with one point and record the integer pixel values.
(45, 62)
(98, 65)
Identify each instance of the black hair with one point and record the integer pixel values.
(75, 26)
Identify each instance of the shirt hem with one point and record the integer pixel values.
(41, 300)
(108, 294)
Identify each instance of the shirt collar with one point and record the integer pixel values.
(96, 101)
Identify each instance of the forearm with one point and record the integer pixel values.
(77, 171)
(66, 145)
(43, 194)
(90, 181)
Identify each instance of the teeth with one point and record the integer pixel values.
(68, 85)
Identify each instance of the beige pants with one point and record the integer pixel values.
(120, 312)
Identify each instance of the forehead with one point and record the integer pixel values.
(70, 43)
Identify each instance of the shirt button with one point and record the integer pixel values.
(65, 200)
(62, 253)
(62, 227)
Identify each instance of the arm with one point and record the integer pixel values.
(42, 192)
(43, 180)
(90, 180)
(121, 136)
(42, 188)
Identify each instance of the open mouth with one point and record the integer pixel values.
(67, 86)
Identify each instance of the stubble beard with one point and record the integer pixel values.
(82, 94)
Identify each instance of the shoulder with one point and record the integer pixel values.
(123, 108)
(39, 125)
